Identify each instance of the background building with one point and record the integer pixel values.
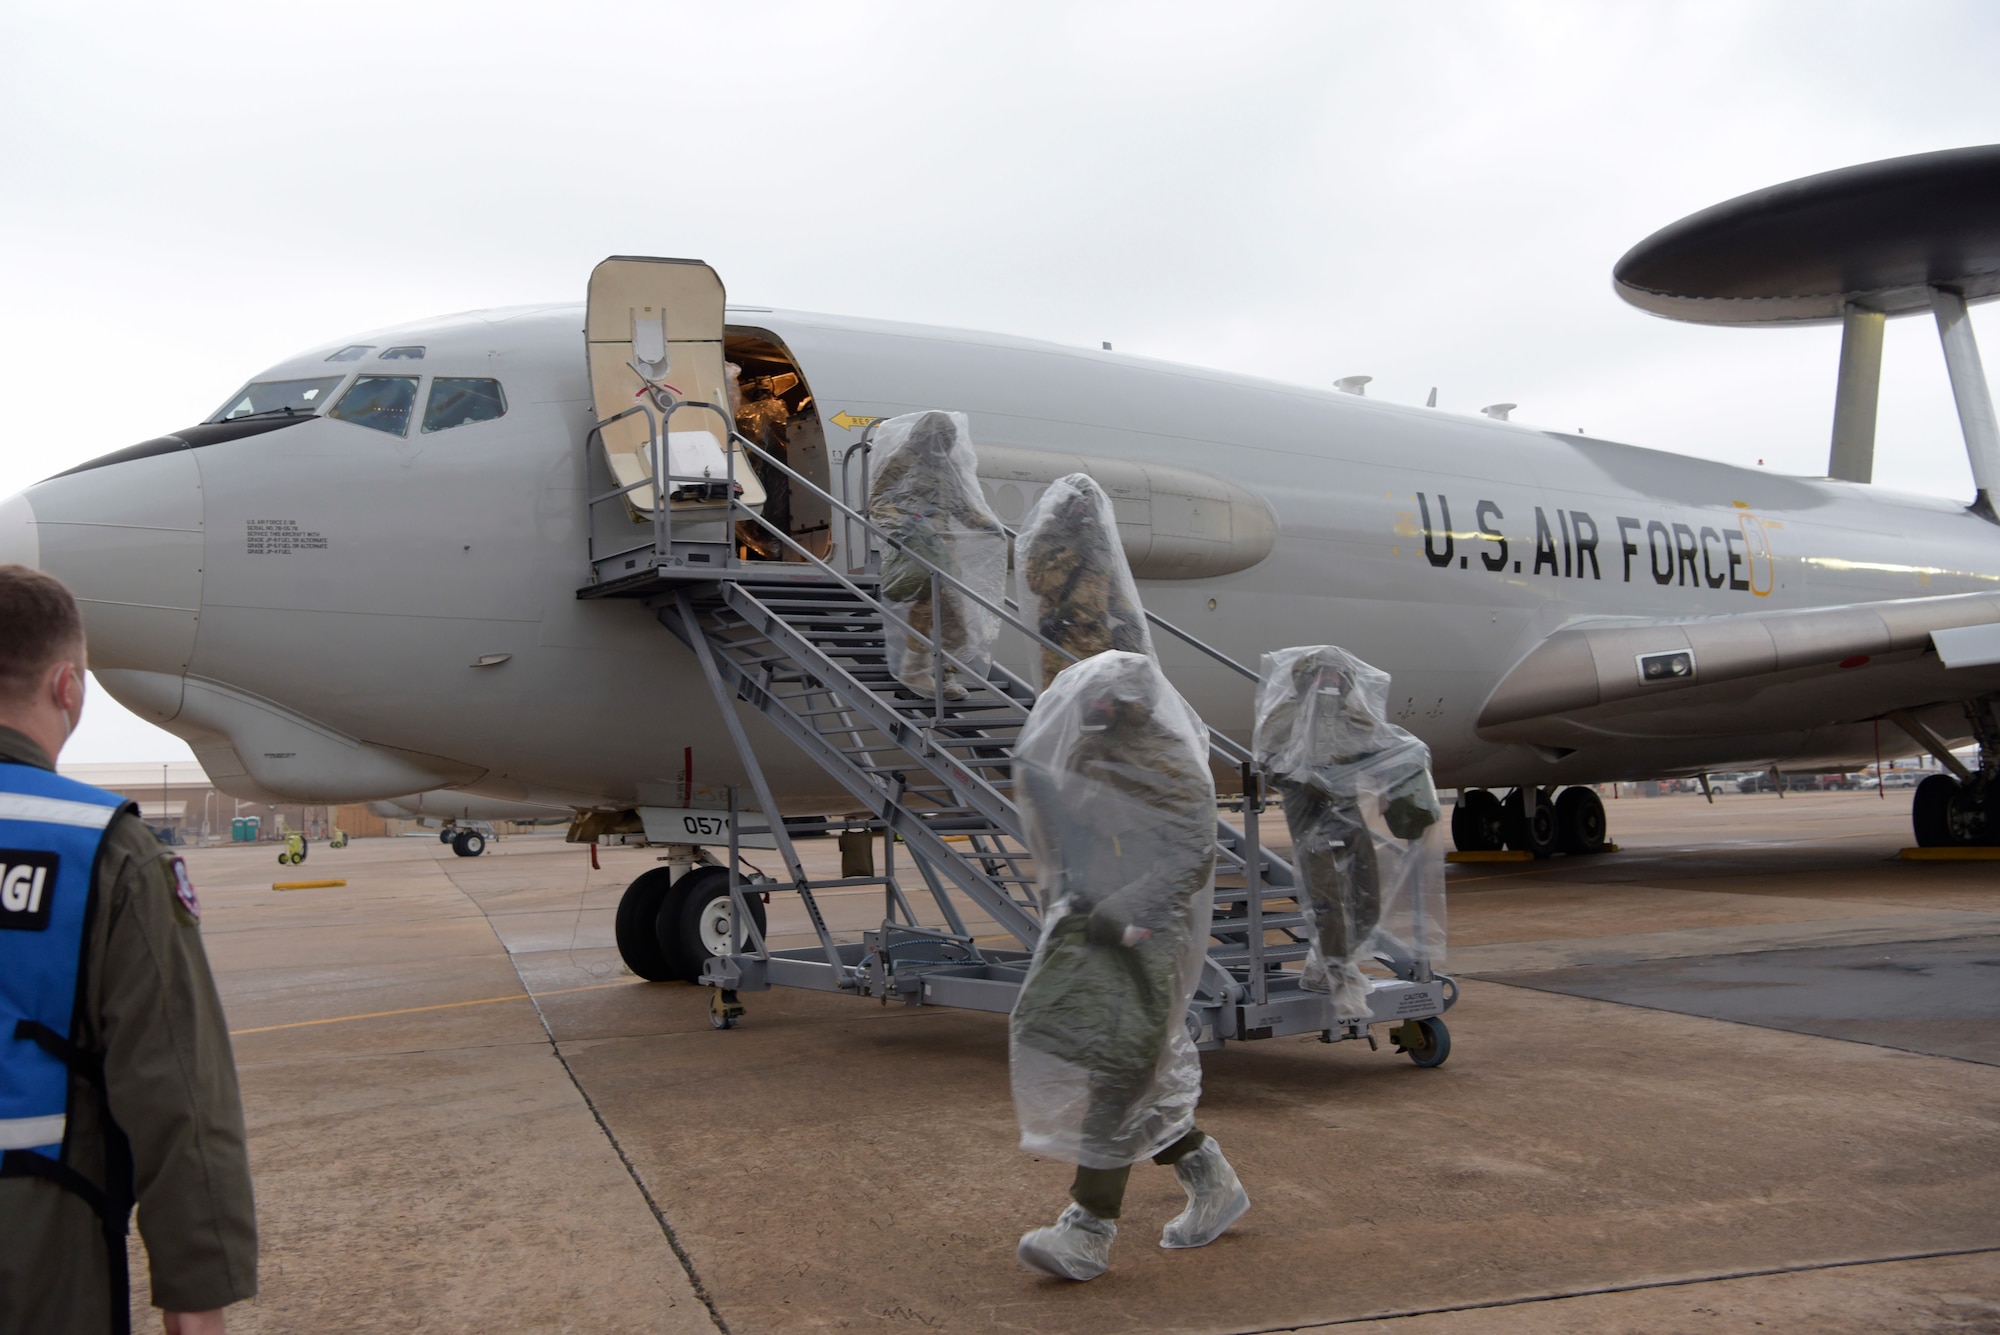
(183, 807)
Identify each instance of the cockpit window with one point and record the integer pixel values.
(353, 352)
(461, 402)
(412, 353)
(278, 398)
(381, 402)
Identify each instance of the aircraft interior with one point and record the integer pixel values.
(774, 408)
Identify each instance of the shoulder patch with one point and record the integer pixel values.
(177, 872)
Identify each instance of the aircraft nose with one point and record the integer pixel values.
(126, 538)
(17, 532)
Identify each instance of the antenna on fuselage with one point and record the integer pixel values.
(1353, 384)
(1432, 401)
(1858, 245)
(1498, 411)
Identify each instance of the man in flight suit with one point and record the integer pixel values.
(116, 1081)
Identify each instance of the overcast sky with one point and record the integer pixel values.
(1432, 194)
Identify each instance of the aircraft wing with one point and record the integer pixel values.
(1753, 672)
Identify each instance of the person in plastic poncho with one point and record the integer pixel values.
(1322, 738)
(1074, 567)
(1119, 810)
(925, 494)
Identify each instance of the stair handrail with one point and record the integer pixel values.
(863, 450)
(1006, 609)
(874, 602)
(1003, 609)
(1250, 859)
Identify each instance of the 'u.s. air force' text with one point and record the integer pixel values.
(1735, 556)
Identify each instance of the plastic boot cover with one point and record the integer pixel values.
(1076, 1246)
(1216, 1198)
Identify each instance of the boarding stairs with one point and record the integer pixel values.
(807, 645)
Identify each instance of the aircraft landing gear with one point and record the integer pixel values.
(1949, 812)
(1572, 822)
(1531, 831)
(468, 843)
(1478, 822)
(1580, 821)
(667, 930)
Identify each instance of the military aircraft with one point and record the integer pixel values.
(369, 572)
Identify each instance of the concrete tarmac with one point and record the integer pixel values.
(1679, 1099)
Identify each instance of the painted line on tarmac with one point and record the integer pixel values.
(1641, 1286)
(418, 1010)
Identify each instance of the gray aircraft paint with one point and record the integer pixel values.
(336, 585)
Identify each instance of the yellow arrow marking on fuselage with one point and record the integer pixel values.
(847, 421)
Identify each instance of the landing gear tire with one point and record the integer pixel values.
(444, 835)
(1425, 1042)
(1478, 822)
(1580, 821)
(1930, 811)
(469, 844)
(1536, 836)
(693, 925)
(1948, 814)
(637, 927)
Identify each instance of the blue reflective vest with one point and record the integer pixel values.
(51, 829)
(51, 832)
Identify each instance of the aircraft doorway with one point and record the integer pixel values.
(775, 410)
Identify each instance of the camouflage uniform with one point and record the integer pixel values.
(918, 497)
(1122, 825)
(1329, 751)
(1074, 565)
(763, 421)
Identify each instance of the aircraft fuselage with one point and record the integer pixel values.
(407, 603)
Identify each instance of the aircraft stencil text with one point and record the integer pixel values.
(1572, 544)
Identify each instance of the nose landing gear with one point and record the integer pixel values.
(466, 841)
(668, 929)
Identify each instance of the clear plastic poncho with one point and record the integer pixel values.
(924, 492)
(1074, 576)
(1118, 806)
(1357, 794)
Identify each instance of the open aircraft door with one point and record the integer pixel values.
(660, 320)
